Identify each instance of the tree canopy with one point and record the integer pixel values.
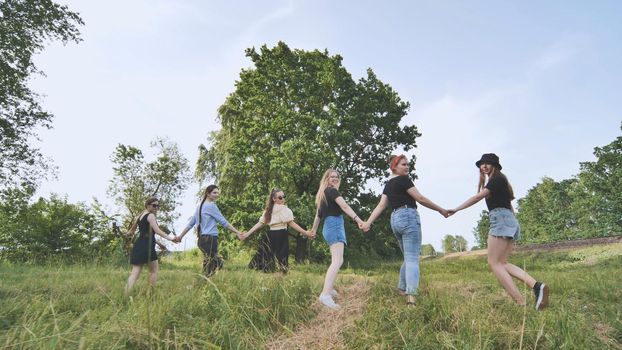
(135, 179)
(294, 114)
(25, 27)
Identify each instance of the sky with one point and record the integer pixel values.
(538, 83)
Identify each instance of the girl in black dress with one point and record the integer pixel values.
(143, 251)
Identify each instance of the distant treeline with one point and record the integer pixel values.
(588, 204)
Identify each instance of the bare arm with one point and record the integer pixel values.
(154, 226)
(132, 229)
(476, 198)
(316, 222)
(297, 227)
(233, 229)
(181, 235)
(257, 226)
(378, 210)
(421, 199)
(347, 210)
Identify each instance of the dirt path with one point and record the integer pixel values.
(326, 330)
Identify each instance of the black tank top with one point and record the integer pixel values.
(144, 228)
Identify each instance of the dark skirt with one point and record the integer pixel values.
(141, 254)
(272, 252)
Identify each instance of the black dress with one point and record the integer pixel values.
(144, 250)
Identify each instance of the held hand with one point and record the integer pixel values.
(364, 226)
(241, 236)
(311, 234)
(452, 211)
(177, 239)
(444, 212)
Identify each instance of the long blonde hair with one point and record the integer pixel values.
(324, 183)
(494, 172)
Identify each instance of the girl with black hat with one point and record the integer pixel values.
(504, 229)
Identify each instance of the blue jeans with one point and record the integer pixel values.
(406, 226)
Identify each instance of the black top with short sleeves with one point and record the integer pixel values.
(330, 207)
(396, 191)
(499, 193)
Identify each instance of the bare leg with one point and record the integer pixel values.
(336, 260)
(497, 260)
(136, 269)
(516, 271)
(154, 267)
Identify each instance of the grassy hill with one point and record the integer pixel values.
(461, 306)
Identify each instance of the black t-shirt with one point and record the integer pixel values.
(330, 207)
(396, 189)
(499, 193)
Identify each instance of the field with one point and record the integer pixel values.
(461, 306)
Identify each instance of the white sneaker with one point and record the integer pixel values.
(333, 293)
(328, 301)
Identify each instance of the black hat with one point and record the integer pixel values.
(489, 158)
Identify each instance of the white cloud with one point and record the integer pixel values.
(560, 53)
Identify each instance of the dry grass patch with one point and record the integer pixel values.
(326, 330)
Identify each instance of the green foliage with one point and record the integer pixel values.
(427, 249)
(545, 212)
(51, 229)
(461, 244)
(481, 230)
(453, 244)
(25, 27)
(602, 184)
(292, 116)
(135, 180)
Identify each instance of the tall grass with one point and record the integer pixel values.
(460, 306)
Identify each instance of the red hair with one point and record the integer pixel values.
(395, 161)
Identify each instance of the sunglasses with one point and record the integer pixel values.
(281, 197)
(155, 205)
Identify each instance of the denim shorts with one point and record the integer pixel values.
(503, 223)
(334, 230)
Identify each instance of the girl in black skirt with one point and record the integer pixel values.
(143, 251)
(278, 216)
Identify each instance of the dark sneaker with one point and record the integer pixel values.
(541, 291)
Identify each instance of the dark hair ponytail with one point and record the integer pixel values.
(270, 206)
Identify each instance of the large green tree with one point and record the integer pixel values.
(449, 244)
(292, 115)
(427, 250)
(545, 213)
(135, 179)
(599, 198)
(25, 27)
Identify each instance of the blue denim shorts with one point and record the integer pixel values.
(503, 223)
(334, 230)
